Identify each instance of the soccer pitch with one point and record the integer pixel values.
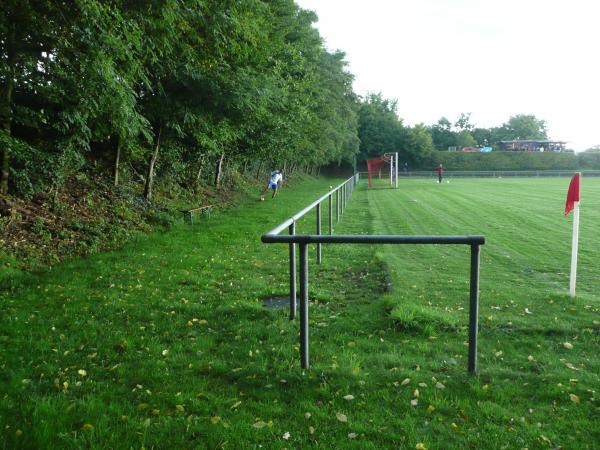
(528, 238)
(536, 343)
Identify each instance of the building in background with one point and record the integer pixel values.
(523, 145)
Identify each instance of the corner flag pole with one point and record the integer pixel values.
(574, 248)
(573, 204)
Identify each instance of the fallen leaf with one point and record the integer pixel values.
(311, 430)
(405, 381)
(574, 398)
(260, 424)
(430, 408)
(217, 419)
(352, 435)
(439, 385)
(416, 393)
(235, 405)
(87, 427)
(82, 372)
(453, 426)
(341, 417)
(420, 446)
(568, 345)
(414, 402)
(349, 397)
(307, 415)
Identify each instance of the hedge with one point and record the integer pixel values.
(514, 161)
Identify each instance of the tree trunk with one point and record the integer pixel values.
(219, 170)
(6, 107)
(200, 167)
(150, 175)
(117, 161)
(260, 164)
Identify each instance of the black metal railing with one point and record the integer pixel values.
(343, 193)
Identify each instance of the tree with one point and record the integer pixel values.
(442, 134)
(483, 136)
(524, 126)
(379, 128)
(172, 87)
(419, 144)
(29, 31)
(465, 139)
(464, 122)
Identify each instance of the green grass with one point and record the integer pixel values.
(165, 344)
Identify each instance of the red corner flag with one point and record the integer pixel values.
(573, 194)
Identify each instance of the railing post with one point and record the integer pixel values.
(337, 206)
(473, 308)
(330, 214)
(319, 251)
(349, 193)
(346, 191)
(292, 231)
(304, 305)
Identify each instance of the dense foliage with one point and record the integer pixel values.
(380, 131)
(463, 133)
(183, 89)
(193, 91)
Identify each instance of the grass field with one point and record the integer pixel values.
(165, 343)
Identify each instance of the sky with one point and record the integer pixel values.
(493, 59)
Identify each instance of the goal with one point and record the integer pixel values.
(374, 166)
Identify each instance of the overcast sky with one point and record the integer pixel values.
(491, 58)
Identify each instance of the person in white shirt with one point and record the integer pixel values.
(274, 182)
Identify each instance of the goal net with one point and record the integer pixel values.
(375, 165)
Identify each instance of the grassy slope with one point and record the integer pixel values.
(179, 353)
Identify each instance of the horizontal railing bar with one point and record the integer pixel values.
(270, 238)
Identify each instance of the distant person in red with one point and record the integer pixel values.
(440, 170)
